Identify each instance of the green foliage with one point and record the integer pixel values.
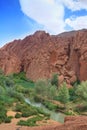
(2, 90)
(72, 93)
(81, 108)
(26, 110)
(3, 112)
(41, 88)
(54, 80)
(13, 94)
(20, 75)
(63, 94)
(44, 89)
(40, 111)
(1, 72)
(7, 119)
(50, 105)
(8, 82)
(18, 115)
(31, 121)
(82, 91)
(76, 83)
(52, 92)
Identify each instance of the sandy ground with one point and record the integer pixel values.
(13, 126)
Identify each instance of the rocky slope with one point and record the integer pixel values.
(40, 55)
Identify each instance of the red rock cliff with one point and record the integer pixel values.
(40, 55)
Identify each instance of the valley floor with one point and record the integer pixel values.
(71, 123)
(13, 125)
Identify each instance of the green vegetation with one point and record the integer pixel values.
(50, 105)
(31, 121)
(63, 94)
(8, 119)
(45, 90)
(18, 115)
(82, 91)
(69, 98)
(15, 88)
(54, 80)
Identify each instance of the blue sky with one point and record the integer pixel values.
(19, 18)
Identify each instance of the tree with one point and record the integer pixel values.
(41, 88)
(82, 91)
(52, 92)
(54, 80)
(63, 94)
(45, 89)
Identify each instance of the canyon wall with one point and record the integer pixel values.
(40, 55)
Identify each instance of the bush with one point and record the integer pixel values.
(18, 115)
(7, 120)
(72, 94)
(50, 105)
(23, 123)
(63, 94)
(37, 98)
(31, 121)
(44, 90)
(42, 112)
(26, 110)
(26, 114)
(54, 80)
(2, 113)
(82, 91)
(81, 108)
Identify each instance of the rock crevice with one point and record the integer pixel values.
(40, 55)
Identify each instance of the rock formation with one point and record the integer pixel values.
(40, 55)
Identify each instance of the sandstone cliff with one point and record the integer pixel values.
(40, 55)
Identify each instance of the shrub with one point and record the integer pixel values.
(26, 114)
(31, 121)
(44, 90)
(63, 94)
(81, 108)
(50, 105)
(72, 94)
(23, 123)
(18, 115)
(54, 80)
(2, 113)
(82, 91)
(26, 110)
(7, 120)
(41, 88)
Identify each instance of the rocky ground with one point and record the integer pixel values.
(71, 123)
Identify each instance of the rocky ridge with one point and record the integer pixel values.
(40, 55)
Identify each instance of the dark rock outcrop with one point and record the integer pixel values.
(40, 55)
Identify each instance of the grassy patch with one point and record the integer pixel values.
(31, 121)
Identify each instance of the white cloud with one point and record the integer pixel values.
(46, 12)
(75, 5)
(77, 23)
(50, 13)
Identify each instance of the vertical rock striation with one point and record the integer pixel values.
(40, 55)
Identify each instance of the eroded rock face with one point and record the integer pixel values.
(40, 55)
